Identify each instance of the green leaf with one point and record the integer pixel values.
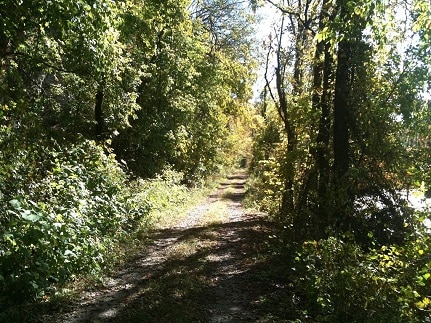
(30, 216)
(15, 204)
(9, 237)
(70, 253)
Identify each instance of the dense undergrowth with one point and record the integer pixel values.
(376, 270)
(82, 80)
(67, 214)
(337, 281)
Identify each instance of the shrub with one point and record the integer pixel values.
(339, 282)
(63, 223)
(39, 247)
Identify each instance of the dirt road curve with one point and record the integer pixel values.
(211, 267)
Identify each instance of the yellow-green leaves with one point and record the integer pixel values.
(423, 17)
(322, 34)
(424, 304)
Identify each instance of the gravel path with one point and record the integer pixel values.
(210, 267)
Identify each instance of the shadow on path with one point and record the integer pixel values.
(222, 272)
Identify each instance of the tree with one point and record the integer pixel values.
(351, 55)
(190, 89)
(346, 63)
(82, 79)
(323, 77)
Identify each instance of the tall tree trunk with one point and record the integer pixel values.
(323, 139)
(343, 109)
(287, 202)
(287, 196)
(322, 76)
(292, 203)
(341, 196)
(341, 112)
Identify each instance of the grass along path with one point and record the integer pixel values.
(212, 266)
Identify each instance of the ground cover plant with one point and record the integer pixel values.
(338, 281)
(68, 221)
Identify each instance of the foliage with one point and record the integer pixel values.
(348, 90)
(191, 96)
(265, 184)
(162, 192)
(338, 281)
(139, 77)
(57, 55)
(350, 135)
(65, 218)
(66, 223)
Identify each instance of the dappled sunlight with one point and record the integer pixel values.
(214, 266)
(191, 270)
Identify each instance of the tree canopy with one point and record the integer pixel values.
(95, 95)
(343, 90)
(343, 143)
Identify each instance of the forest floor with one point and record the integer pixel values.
(215, 265)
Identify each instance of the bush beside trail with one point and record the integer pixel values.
(67, 211)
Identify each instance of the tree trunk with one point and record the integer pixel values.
(341, 112)
(287, 196)
(287, 202)
(343, 197)
(323, 141)
(322, 76)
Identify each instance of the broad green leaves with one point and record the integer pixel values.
(352, 78)
(422, 10)
(62, 52)
(62, 224)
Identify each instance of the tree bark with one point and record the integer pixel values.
(341, 112)
(322, 76)
(287, 201)
(343, 116)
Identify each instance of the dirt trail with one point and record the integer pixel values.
(211, 267)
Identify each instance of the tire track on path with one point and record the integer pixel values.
(200, 270)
